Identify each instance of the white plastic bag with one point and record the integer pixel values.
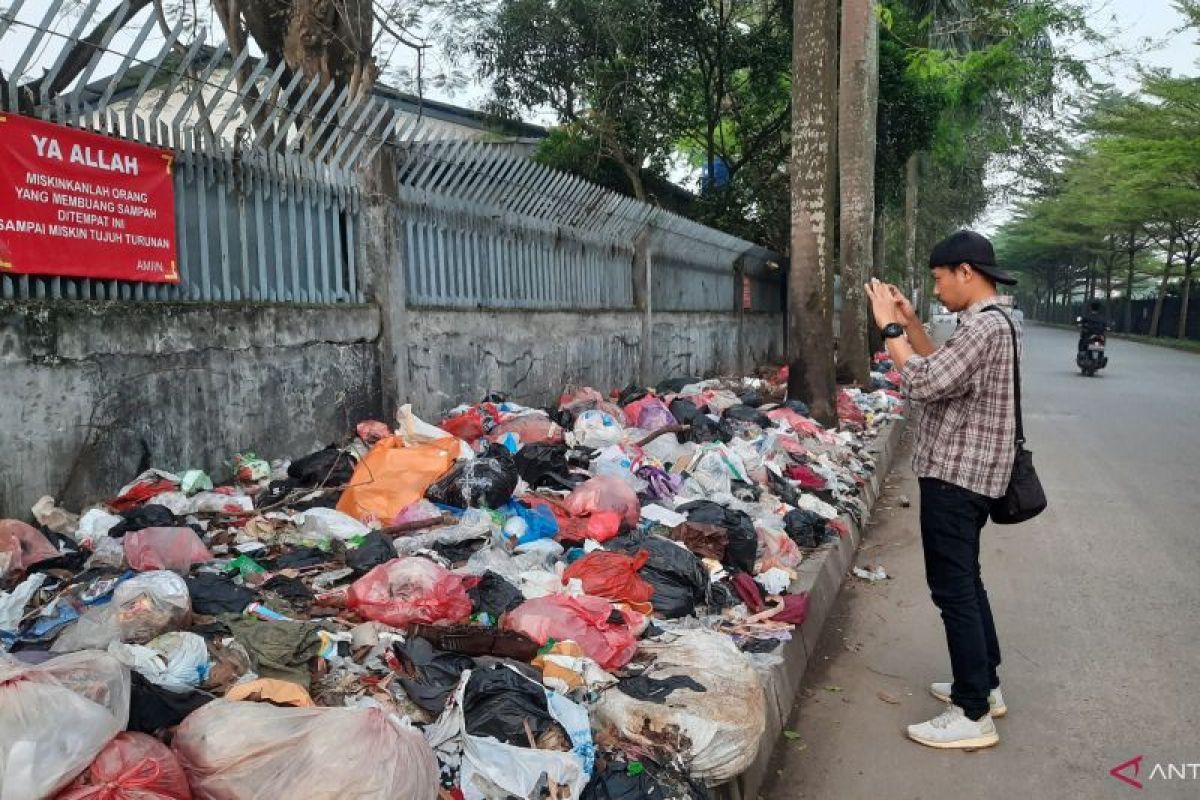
(56, 717)
(493, 770)
(180, 504)
(714, 733)
(59, 520)
(12, 604)
(414, 430)
(325, 523)
(95, 525)
(597, 430)
(177, 661)
(241, 750)
(141, 608)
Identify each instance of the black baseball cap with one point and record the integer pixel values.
(971, 248)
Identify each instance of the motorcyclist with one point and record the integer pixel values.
(1093, 323)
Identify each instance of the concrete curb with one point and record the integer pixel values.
(821, 575)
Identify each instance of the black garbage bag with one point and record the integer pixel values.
(72, 558)
(292, 590)
(216, 594)
(375, 549)
(631, 394)
(657, 690)
(495, 397)
(704, 429)
(684, 411)
(806, 528)
(498, 702)
(798, 406)
(742, 548)
(329, 467)
(147, 516)
(752, 399)
(153, 708)
(679, 578)
(675, 385)
(746, 492)
(484, 482)
(427, 674)
(616, 781)
(547, 466)
(457, 552)
(297, 558)
(782, 488)
(494, 595)
(747, 415)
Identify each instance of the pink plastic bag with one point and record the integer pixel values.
(531, 428)
(133, 766)
(605, 493)
(408, 590)
(22, 546)
(583, 620)
(848, 411)
(239, 750)
(371, 431)
(175, 549)
(649, 414)
(776, 549)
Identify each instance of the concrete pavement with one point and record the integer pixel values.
(1097, 603)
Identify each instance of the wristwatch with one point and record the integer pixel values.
(892, 330)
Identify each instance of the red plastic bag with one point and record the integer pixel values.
(408, 590)
(612, 575)
(531, 428)
(586, 399)
(473, 423)
(605, 493)
(176, 549)
(805, 477)
(133, 766)
(583, 620)
(22, 546)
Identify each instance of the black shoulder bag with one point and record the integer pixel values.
(1024, 499)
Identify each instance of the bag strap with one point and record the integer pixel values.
(1016, 374)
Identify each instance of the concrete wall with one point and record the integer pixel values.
(457, 356)
(92, 393)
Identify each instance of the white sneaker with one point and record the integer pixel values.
(952, 729)
(996, 705)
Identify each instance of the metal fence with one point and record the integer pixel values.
(484, 226)
(265, 190)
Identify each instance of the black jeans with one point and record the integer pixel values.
(951, 521)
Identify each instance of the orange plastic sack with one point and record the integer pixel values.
(22, 546)
(583, 620)
(612, 575)
(133, 766)
(175, 549)
(392, 476)
(605, 493)
(408, 590)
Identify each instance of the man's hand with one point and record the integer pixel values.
(904, 308)
(883, 304)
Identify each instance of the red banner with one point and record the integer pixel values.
(84, 205)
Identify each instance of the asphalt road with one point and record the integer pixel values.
(1097, 604)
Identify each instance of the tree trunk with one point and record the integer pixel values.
(1132, 252)
(858, 95)
(1156, 317)
(812, 175)
(879, 251)
(912, 174)
(1108, 276)
(1181, 332)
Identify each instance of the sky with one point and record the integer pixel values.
(1144, 31)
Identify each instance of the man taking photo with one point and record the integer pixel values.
(963, 457)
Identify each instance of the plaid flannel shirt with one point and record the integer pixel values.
(968, 426)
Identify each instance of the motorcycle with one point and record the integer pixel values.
(1091, 358)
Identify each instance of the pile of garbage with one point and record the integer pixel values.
(570, 602)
